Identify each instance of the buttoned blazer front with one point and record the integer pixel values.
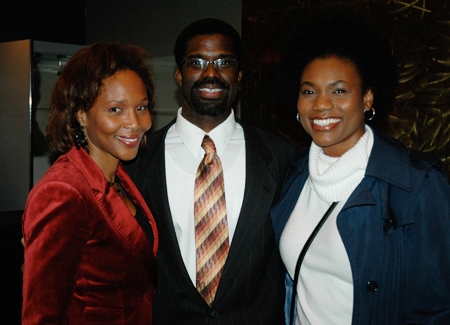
(395, 228)
(87, 260)
(251, 289)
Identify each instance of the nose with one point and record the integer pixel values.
(210, 70)
(323, 102)
(132, 120)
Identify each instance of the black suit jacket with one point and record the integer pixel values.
(251, 290)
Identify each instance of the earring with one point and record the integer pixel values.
(369, 118)
(80, 139)
(298, 118)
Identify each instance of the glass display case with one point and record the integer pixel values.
(28, 71)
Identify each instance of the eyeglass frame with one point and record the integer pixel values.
(206, 64)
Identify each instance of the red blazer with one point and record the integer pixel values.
(87, 260)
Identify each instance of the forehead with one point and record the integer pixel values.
(214, 45)
(331, 67)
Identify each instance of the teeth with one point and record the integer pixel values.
(209, 90)
(324, 122)
(127, 140)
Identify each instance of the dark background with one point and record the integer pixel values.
(53, 21)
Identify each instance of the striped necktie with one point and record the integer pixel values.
(211, 227)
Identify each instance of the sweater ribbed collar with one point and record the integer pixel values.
(335, 178)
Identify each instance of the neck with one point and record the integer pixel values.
(107, 163)
(205, 122)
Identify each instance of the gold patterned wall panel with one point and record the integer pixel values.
(419, 31)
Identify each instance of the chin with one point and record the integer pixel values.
(128, 156)
(210, 110)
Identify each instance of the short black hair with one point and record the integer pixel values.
(351, 37)
(208, 26)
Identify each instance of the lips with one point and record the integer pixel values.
(206, 92)
(210, 88)
(129, 141)
(325, 122)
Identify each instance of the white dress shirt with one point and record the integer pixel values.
(183, 154)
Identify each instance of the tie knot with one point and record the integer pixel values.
(208, 145)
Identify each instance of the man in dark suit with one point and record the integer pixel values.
(251, 287)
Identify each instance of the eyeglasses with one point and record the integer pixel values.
(202, 64)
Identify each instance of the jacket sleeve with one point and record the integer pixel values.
(427, 250)
(56, 230)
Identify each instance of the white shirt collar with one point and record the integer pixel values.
(193, 136)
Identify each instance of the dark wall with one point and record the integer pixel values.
(43, 20)
(420, 37)
(11, 257)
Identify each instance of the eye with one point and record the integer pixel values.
(228, 64)
(142, 108)
(340, 91)
(194, 64)
(114, 110)
(306, 92)
(224, 63)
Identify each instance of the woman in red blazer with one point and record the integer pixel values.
(90, 239)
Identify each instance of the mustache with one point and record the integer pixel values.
(211, 81)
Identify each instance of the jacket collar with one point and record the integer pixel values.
(256, 198)
(115, 210)
(87, 166)
(385, 151)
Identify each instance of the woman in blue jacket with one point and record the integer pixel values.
(382, 255)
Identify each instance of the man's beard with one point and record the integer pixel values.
(212, 107)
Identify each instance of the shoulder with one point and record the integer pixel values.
(70, 175)
(62, 179)
(257, 134)
(265, 141)
(56, 198)
(425, 162)
(392, 160)
(412, 178)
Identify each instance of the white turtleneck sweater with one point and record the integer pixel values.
(325, 285)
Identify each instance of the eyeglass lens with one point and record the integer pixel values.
(202, 64)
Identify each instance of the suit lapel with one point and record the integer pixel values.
(155, 190)
(260, 187)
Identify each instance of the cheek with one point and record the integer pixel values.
(105, 126)
(354, 108)
(146, 122)
(109, 126)
(301, 106)
(304, 121)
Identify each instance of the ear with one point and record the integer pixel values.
(368, 100)
(178, 76)
(81, 117)
(241, 73)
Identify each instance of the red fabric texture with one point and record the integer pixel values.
(87, 260)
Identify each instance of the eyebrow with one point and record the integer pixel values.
(115, 101)
(338, 82)
(220, 56)
(311, 84)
